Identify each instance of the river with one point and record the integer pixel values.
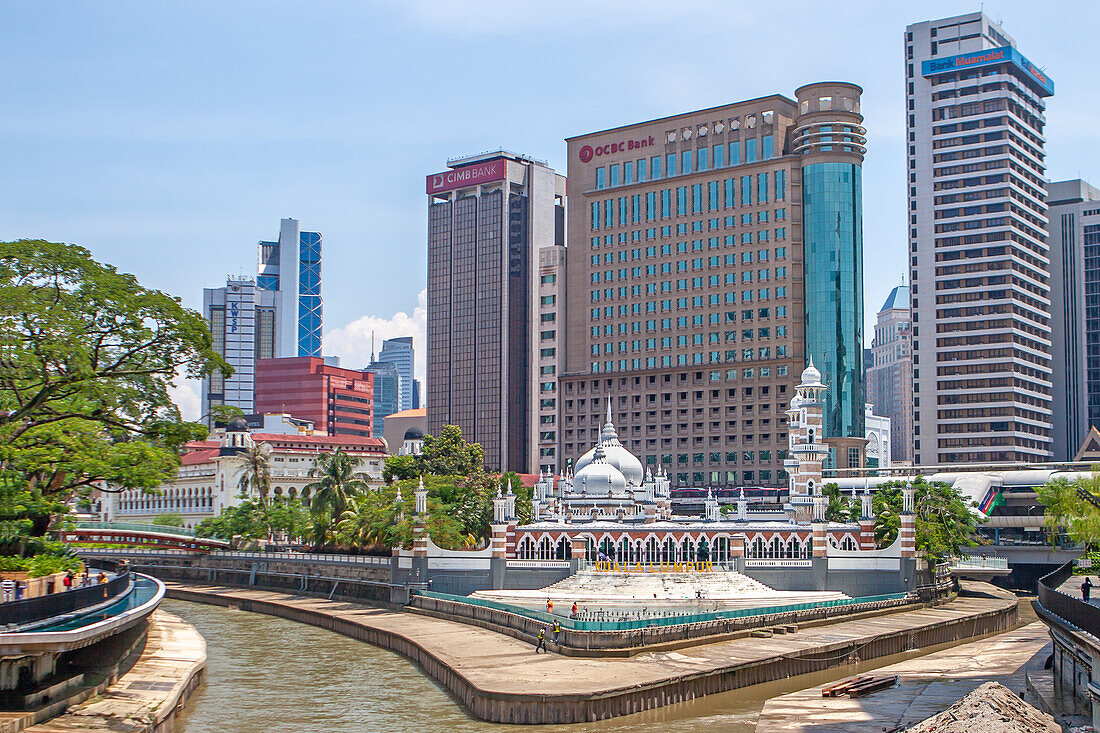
(268, 675)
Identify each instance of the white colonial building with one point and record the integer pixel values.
(210, 471)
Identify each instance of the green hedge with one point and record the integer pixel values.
(39, 565)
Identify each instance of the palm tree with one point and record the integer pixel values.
(256, 471)
(337, 483)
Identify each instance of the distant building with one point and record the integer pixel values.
(545, 321)
(208, 479)
(399, 352)
(879, 440)
(291, 269)
(416, 394)
(979, 274)
(890, 370)
(1074, 241)
(387, 392)
(404, 432)
(265, 317)
(280, 424)
(489, 216)
(338, 401)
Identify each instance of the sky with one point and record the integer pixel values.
(169, 138)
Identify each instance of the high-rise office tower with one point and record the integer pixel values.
(712, 254)
(416, 394)
(399, 352)
(488, 217)
(387, 392)
(1075, 311)
(890, 371)
(551, 346)
(242, 320)
(291, 268)
(979, 267)
(277, 314)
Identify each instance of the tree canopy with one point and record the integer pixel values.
(1068, 508)
(944, 522)
(87, 358)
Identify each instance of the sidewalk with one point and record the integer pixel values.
(928, 685)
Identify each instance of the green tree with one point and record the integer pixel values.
(448, 454)
(1068, 508)
(255, 464)
(337, 482)
(944, 523)
(841, 508)
(401, 468)
(87, 357)
(168, 519)
(224, 414)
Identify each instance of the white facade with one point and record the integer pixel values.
(208, 479)
(978, 257)
(879, 441)
(890, 373)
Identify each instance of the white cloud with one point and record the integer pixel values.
(185, 393)
(352, 343)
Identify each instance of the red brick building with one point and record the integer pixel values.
(338, 401)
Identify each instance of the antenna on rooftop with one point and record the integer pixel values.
(372, 345)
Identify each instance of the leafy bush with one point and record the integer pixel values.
(10, 564)
(40, 565)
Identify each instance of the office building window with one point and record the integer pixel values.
(750, 150)
(719, 156)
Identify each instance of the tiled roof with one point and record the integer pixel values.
(309, 441)
(195, 457)
(415, 412)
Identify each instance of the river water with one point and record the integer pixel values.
(269, 675)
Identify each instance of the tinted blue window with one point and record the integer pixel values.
(267, 282)
(655, 167)
(685, 162)
(750, 150)
(670, 164)
(780, 185)
(735, 153)
(767, 143)
(628, 172)
(615, 175)
(761, 188)
(641, 171)
(702, 159)
(601, 178)
(719, 156)
(746, 190)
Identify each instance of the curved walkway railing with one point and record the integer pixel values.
(30, 610)
(138, 527)
(369, 560)
(1074, 610)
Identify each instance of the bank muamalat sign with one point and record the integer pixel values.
(588, 152)
(467, 175)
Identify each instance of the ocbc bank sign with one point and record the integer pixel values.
(588, 152)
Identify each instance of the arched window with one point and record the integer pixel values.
(526, 549)
(776, 547)
(668, 550)
(564, 548)
(545, 549)
(652, 551)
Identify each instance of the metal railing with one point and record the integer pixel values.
(30, 610)
(619, 621)
(979, 563)
(372, 560)
(1083, 615)
(138, 527)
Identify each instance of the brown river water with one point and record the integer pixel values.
(269, 675)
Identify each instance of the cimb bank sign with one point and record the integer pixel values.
(587, 152)
(467, 175)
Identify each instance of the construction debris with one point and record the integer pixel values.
(992, 708)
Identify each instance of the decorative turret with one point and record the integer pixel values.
(509, 502)
(742, 506)
(867, 512)
(399, 502)
(907, 532)
(421, 495)
(711, 507)
(500, 507)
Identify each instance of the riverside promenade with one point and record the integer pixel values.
(501, 679)
(927, 685)
(146, 698)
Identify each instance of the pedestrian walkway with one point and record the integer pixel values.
(498, 674)
(927, 685)
(1072, 587)
(169, 668)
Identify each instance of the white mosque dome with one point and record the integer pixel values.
(598, 477)
(615, 454)
(810, 375)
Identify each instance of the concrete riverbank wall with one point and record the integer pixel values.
(494, 678)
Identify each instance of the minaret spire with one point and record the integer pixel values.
(609, 408)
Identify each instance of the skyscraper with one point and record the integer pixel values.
(291, 268)
(399, 352)
(890, 371)
(713, 253)
(277, 314)
(979, 267)
(488, 217)
(337, 401)
(1075, 311)
(387, 392)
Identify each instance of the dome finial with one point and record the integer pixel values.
(609, 408)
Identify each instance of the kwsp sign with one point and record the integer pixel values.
(610, 566)
(587, 152)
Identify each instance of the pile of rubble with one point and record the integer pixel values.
(992, 708)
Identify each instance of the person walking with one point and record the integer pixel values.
(541, 646)
(67, 581)
(101, 578)
(574, 612)
(557, 630)
(1086, 589)
(549, 606)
